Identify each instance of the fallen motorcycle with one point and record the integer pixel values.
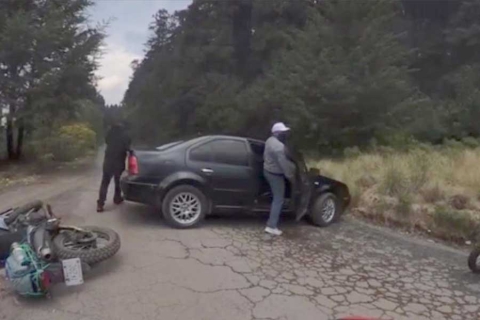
(33, 233)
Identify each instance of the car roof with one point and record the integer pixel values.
(209, 137)
(185, 144)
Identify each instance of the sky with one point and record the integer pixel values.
(127, 34)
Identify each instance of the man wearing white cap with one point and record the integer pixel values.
(277, 167)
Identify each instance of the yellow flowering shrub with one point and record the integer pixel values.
(66, 143)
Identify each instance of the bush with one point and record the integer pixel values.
(352, 152)
(433, 194)
(394, 182)
(355, 195)
(65, 144)
(454, 222)
(386, 150)
(411, 185)
(404, 205)
(397, 140)
(471, 142)
(459, 202)
(425, 147)
(454, 144)
(380, 208)
(419, 170)
(366, 181)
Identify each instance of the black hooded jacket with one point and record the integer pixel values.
(118, 144)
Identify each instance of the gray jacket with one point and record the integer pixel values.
(275, 159)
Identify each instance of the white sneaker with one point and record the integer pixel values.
(275, 231)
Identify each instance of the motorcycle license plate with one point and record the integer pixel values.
(72, 272)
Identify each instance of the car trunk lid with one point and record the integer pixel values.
(139, 161)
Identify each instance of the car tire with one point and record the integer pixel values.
(195, 202)
(325, 210)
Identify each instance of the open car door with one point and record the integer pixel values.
(302, 190)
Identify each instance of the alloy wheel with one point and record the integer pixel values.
(328, 210)
(185, 208)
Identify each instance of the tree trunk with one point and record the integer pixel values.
(10, 140)
(21, 133)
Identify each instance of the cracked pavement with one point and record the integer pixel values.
(229, 269)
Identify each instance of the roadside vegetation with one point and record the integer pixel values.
(340, 73)
(394, 83)
(345, 75)
(421, 188)
(68, 147)
(50, 109)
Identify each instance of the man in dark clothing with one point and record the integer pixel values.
(118, 144)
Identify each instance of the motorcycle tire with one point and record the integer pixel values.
(88, 256)
(472, 260)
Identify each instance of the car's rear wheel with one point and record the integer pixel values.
(325, 210)
(184, 207)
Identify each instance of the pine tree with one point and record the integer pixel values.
(47, 59)
(343, 78)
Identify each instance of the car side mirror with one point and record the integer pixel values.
(314, 171)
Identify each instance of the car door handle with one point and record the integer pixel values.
(207, 171)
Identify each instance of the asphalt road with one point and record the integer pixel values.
(228, 268)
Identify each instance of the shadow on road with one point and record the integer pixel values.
(136, 215)
(140, 215)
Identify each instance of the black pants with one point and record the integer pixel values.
(104, 188)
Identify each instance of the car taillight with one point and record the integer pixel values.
(132, 165)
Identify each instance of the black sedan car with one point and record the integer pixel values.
(191, 179)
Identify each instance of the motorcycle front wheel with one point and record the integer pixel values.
(69, 244)
(474, 261)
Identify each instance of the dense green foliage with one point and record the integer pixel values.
(340, 72)
(65, 143)
(47, 61)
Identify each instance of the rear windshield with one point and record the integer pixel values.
(177, 143)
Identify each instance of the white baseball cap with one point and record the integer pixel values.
(280, 127)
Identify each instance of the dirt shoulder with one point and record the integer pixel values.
(27, 186)
(17, 175)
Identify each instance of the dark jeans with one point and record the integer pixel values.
(104, 188)
(277, 185)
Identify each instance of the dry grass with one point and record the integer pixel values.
(432, 189)
(15, 174)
